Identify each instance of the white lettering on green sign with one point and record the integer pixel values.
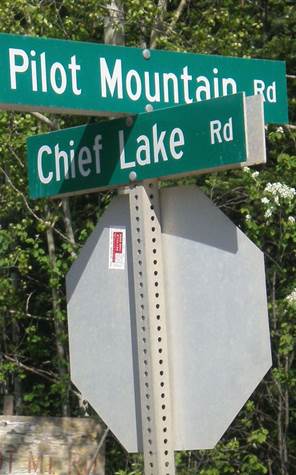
(219, 133)
(66, 164)
(85, 160)
(268, 92)
(72, 77)
(188, 139)
(57, 75)
(155, 147)
(152, 150)
(156, 87)
(133, 84)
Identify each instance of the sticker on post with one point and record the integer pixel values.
(117, 248)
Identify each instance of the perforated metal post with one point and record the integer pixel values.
(156, 411)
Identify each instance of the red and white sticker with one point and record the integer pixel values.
(117, 248)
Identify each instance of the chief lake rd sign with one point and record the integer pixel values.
(215, 134)
(94, 79)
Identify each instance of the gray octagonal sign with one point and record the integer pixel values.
(218, 335)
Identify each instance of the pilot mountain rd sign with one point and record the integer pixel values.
(216, 134)
(96, 79)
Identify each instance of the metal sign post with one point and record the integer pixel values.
(157, 430)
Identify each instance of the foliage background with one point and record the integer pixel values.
(39, 240)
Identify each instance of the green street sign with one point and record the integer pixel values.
(189, 139)
(96, 79)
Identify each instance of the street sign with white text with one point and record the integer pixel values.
(189, 139)
(95, 79)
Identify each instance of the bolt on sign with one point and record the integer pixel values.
(94, 79)
(206, 136)
(50, 446)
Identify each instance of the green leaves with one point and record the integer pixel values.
(252, 466)
(258, 437)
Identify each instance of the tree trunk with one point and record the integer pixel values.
(158, 24)
(15, 330)
(58, 325)
(68, 220)
(114, 23)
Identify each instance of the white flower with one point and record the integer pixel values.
(265, 200)
(291, 219)
(268, 213)
(255, 174)
(280, 190)
(248, 217)
(280, 130)
(246, 169)
(291, 299)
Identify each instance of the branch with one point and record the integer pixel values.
(28, 315)
(114, 23)
(178, 13)
(159, 27)
(15, 156)
(48, 375)
(161, 11)
(46, 120)
(65, 201)
(40, 220)
(68, 223)
(100, 444)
